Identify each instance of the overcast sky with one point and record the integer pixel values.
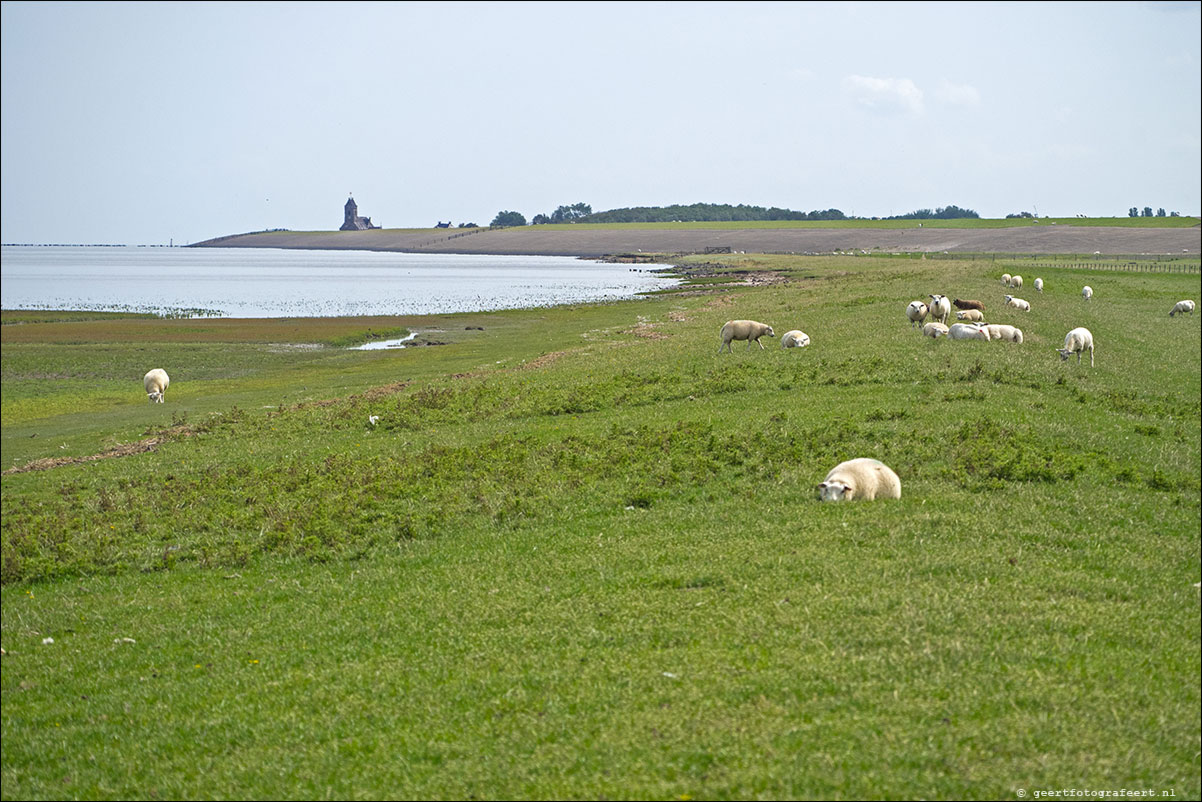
(144, 123)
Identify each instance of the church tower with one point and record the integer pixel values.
(350, 212)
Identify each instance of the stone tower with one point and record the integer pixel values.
(351, 221)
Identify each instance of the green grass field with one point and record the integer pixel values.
(579, 555)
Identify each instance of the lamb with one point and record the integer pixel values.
(1039, 285)
(860, 478)
(1016, 282)
(156, 382)
(934, 330)
(1076, 341)
(1018, 303)
(941, 308)
(1181, 307)
(968, 331)
(744, 330)
(970, 314)
(793, 339)
(968, 305)
(1087, 292)
(917, 312)
(1005, 279)
(1003, 332)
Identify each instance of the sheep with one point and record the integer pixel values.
(1181, 307)
(970, 314)
(1005, 279)
(794, 339)
(156, 382)
(1087, 292)
(959, 304)
(917, 313)
(859, 478)
(1018, 303)
(968, 331)
(1002, 332)
(941, 309)
(1039, 285)
(744, 330)
(1016, 282)
(1076, 341)
(934, 330)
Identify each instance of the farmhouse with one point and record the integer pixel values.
(351, 219)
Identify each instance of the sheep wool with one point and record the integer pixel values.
(744, 330)
(916, 312)
(864, 478)
(1078, 340)
(1181, 307)
(794, 339)
(934, 330)
(156, 382)
(968, 331)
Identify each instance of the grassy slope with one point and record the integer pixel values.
(579, 555)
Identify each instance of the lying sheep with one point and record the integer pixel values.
(916, 312)
(1018, 303)
(1181, 307)
(1087, 292)
(156, 382)
(1076, 341)
(860, 478)
(1039, 285)
(959, 304)
(793, 339)
(744, 330)
(970, 314)
(934, 330)
(1002, 332)
(968, 331)
(1005, 279)
(1016, 282)
(941, 308)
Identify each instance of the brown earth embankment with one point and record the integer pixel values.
(594, 243)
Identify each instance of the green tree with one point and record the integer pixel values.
(1147, 211)
(1133, 212)
(509, 219)
(570, 214)
(1160, 212)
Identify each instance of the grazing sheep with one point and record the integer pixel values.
(1076, 341)
(744, 330)
(1039, 285)
(794, 339)
(1016, 282)
(1018, 303)
(917, 312)
(1181, 307)
(959, 304)
(968, 331)
(860, 478)
(934, 330)
(156, 382)
(970, 314)
(941, 308)
(1005, 279)
(1087, 292)
(1000, 331)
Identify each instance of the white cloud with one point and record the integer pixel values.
(958, 94)
(885, 94)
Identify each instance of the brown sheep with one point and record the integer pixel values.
(968, 304)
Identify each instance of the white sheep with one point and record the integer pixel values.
(744, 330)
(941, 308)
(1016, 282)
(934, 330)
(860, 478)
(794, 339)
(1018, 303)
(968, 331)
(916, 312)
(971, 315)
(1087, 292)
(1076, 341)
(1039, 285)
(1002, 332)
(1005, 279)
(156, 382)
(1181, 307)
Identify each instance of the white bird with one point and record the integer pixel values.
(373, 419)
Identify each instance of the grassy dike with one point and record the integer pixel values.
(579, 556)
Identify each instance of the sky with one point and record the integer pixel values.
(159, 123)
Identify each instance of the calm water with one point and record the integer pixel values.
(246, 282)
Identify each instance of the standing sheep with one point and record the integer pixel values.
(973, 315)
(1002, 332)
(1016, 282)
(1005, 279)
(794, 339)
(860, 478)
(941, 308)
(1018, 303)
(1087, 292)
(968, 331)
(744, 330)
(156, 382)
(916, 312)
(934, 330)
(1039, 285)
(1076, 341)
(1181, 307)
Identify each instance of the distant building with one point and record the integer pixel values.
(351, 219)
